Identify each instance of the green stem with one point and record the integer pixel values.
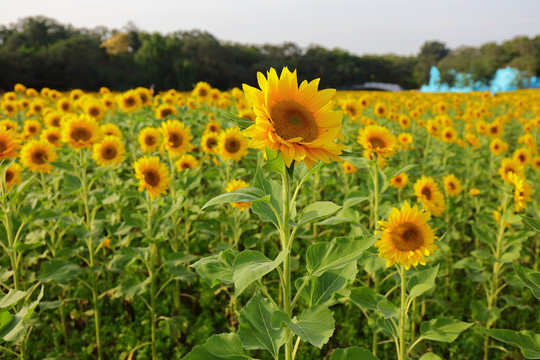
(403, 314)
(286, 244)
(375, 177)
(153, 253)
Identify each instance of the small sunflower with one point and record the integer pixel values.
(145, 95)
(509, 165)
(350, 107)
(349, 168)
(428, 193)
(31, 128)
(53, 119)
(9, 125)
(153, 175)
(109, 129)
(37, 155)
(53, 136)
(297, 121)
(176, 137)
(129, 101)
(13, 175)
(94, 109)
(64, 105)
(149, 139)
(522, 156)
(494, 130)
(535, 163)
(498, 146)
(234, 185)
(452, 185)
(187, 161)
(380, 109)
(209, 142)
(232, 145)
(80, 132)
(474, 191)
(202, 91)
(522, 191)
(165, 110)
(378, 139)
(9, 143)
(110, 151)
(406, 237)
(212, 127)
(10, 108)
(449, 134)
(399, 181)
(405, 139)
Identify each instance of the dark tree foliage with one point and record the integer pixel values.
(39, 52)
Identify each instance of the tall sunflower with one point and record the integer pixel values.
(37, 155)
(149, 139)
(297, 121)
(377, 139)
(110, 151)
(153, 175)
(176, 137)
(202, 91)
(80, 132)
(232, 145)
(406, 237)
(9, 143)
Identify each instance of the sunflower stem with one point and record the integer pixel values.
(403, 314)
(286, 244)
(375, 176)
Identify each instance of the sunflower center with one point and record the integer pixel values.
(109, 152)
(32, 129)
(452, 186)
(427, 193)
(521, 158)
(9, 175)
(292, 120)
(3, 146)
(52, 138)
(65, 106)
(151, 177)
(407, 237)
(39, 157)
(213, 128)
(493, 130)
(55, 122)
(398, 180)
(232, 145)
(203, 92)
(81, 134)
(175, 140)
(143, 97)
(149, 140)
(186, 165)
(166, 112)
(130, 101)
(94, 112)
(210, 143)
(376, 142)
(351, 110)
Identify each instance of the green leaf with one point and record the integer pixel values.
(402, 170)
(180, 272)
(63, 165)
(316, 211)
(11, 298)
(59, 271)
(111, 199)
(532, 222)
(315, 324)
(216, 269)
(12, 330)
(320, 290)
(430, 356)
(272, 188)
(251, 265)
(274, 162)
(132, 287)
(242, 123)
(422, 281)
(443, 329)
(255, 328)
(529, 278)
(325, 256)
(49, 214)
(387, 309)
(352, 353)
(247, 194)
(527, 341)
(366, 297)
(483, 315)
(227, 346)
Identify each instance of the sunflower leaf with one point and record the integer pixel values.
(422, 281)
(443, 329)
(532, 222)
(247, 194)
(240, 122)
(527, 341)
(353, 353)
(529, 278)
(316, 211)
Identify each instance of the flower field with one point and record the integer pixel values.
(280, 221)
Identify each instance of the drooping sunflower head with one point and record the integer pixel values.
(9, 143)
(399, 181)
(234, 185)
(110, 129)
(152, 175)
(110, 151)
(149, 139)
(452, 185)
(232, 145)
(176, 137)
(165, 110)
(13, 175)
(37, 155)
(31, 128)
(187, 161)
(348, 167)
(406, 237)
(80, 132)
(378, 139)
(297, 121)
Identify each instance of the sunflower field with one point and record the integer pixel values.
(281, 221)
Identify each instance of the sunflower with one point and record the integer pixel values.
(299, 122)
(474, 191)
(20, 88)
(165, 110)
(349, 168)
(145, 95)
(149, 139)
(498, 146)
(404, 121)
(53, 136)
(10, 108)
(378, 139)
(522, 191)
(13, 175)
(209, 142)
(212, 126)
(80, 132)
(64, 105)
(428, 193)
(350, 107)
(449, 134)
(37, 155)
(31, 128)
(406, 237)
(535, 163)
(9, 125)
(522, 156)
(232, 145)
(399, 181)
(494, 130)
(153, 175)
(130, 101)
(405, 140)
(176, 137)
(201, 91)
(452, 185)
(380, 109)
(94, 109)
(76, 94)
(187, 161)
(9, 143)
(110, 129)
(234, 185)
(10, 96)
(37, 106)
(508, 166)
(108, 102)
(110, 151)
(30, 92)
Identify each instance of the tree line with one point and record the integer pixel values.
(41, 52)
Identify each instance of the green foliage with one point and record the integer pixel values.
(527, 341)
(443, 329)
(352, 353)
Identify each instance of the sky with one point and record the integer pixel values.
(361, 27)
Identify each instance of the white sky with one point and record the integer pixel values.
(361, 27)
